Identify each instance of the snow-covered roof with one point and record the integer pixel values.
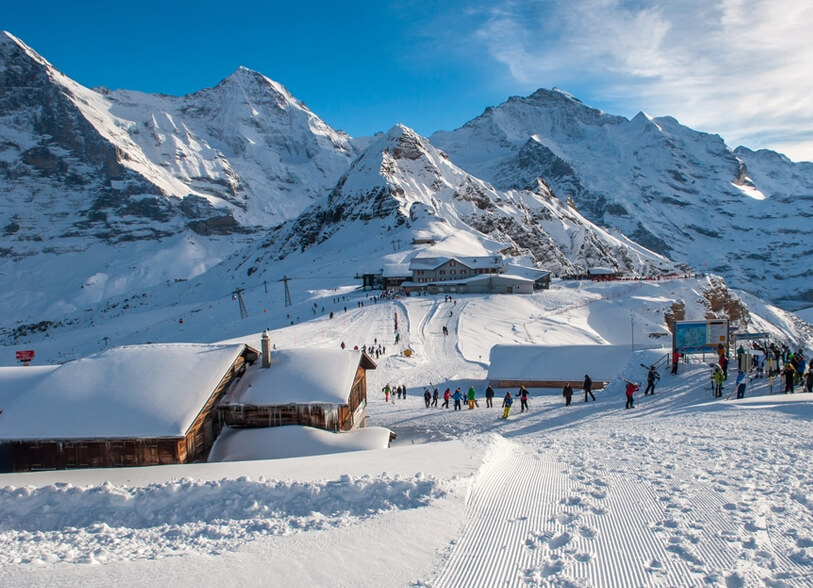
(531, 273)
(120, 393)
(430, 263)
(301, 376)
(15, 380)
(601, 271)
(396, 270)
(293, 441)
(566, 362)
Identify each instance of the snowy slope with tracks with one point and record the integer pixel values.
(682, 490)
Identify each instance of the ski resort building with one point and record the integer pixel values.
(465, 275)
(322, 388)
(450, 269)
(138, 405)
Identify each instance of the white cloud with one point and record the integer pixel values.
(740, 68)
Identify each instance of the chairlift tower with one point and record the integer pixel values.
(288, 302)
(238, 293)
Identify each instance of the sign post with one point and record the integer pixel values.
(25, 356)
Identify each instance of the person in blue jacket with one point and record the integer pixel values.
(506, 403)
(458, 396)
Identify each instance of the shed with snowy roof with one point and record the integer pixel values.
(126, 406)
(322, 388)
(552, 366)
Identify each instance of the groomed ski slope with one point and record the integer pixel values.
(683, 490)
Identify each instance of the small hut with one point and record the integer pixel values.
(322, 388)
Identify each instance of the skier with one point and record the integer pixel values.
(809, 378)
(717, 378)
(789, 374)
(588, 387)
(489, 396)
(435, 397)
(507, 402)
(445, 331)
(567, 392)
(457, 398)
(652, 378)
(675, 360)
(386, 390)
(523, 398)
(471, 396)
(427, 397)
(741, 385)
(632, 387)
(446, 396)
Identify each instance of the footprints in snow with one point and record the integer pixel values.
(563, 543)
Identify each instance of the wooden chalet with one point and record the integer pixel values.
(127, 406)
(322, 388)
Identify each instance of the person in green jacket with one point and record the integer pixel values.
(471, 397)
(718, 377)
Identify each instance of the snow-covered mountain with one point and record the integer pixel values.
(404, 188)
(677, 191)
(123, 166)
(108, 195)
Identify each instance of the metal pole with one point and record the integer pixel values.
(632, 331)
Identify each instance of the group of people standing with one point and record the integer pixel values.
(587, 386)
(400, 391)
(431, 398)
(777, 360)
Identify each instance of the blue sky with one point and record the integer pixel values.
(739, 68)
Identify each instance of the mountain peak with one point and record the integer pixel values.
(10, 45)
(253, 83)
(405, 143)
(554, 95)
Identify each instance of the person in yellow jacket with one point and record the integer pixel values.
(717, 377)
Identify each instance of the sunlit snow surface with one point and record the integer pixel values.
(681, 490)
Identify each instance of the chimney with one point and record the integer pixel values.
(266, 349)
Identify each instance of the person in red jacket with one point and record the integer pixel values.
(632, 387)
(675, 360)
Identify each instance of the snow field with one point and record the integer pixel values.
(65, 523)
(682, 490)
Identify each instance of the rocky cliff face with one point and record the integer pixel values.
(61, 178)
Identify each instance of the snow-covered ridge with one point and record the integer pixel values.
(402, 185)
(677, 191)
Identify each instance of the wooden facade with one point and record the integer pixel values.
(331, 417)
(194, 446)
